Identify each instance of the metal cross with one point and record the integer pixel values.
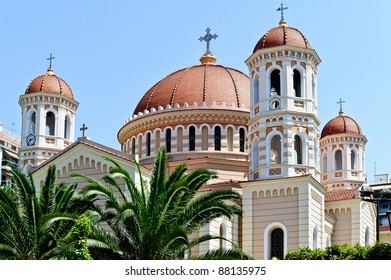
(340, 104)
(83, 128)
(282, 10)
(207, 38)
(50, 58)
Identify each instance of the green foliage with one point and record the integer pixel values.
(79, 233)
(33, 223)
(154, 221)
(379, 251)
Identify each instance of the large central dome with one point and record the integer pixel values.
(206, 82)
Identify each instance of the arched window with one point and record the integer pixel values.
(275, 83)
(50, 123)
(315, 238)
(241, 139)
(140, 145)
(148, 143)
(298, 154)
(277, 244)
(192, 138)
(67, 127)
(179, 139)
(297, 83)
(352, 160)
(217, 138)
(256, 90)
(223, 234)
(133, 146)
(338, 160)
(255, 155)
(157, 140)
(324, 163)
(168, 140)
(367, 235)
(33, 122)
(230, 139)
(205, 138)
(275, 150)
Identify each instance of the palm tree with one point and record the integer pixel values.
(155, 221)
(32, 224)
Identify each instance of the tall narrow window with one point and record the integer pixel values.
(50, 123)
(315, 238)
(338, 160)
(367, 236)
(297, 83)
(256, 90)
(324, 164)
(230, 139)
(222, 234)
(67, 129)
(298, 154)
(157, 140)
(277, 244)
(33, 122)
(179, 141)
(192, 138)
(352, 160)
(275, 150)
(217, 138)
(168, 140)
(205, 137)
(148, 143)
(241, 140)
(275, 84)
(133, 146)
(140, 146)
(254, 155)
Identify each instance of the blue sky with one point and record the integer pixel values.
(112, 52)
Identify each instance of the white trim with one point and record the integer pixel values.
(267, 232)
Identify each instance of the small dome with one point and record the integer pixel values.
(282, 35)
(206, 82)
(49, 83)
(340, 125)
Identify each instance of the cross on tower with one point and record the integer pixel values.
(207, 38)
(84, 128)
(340, 105)
(282, 8)
(50, 58)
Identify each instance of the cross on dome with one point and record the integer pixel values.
(83, 128)
(340, 105)
(50, 58)
(281, 9)
(207, 38)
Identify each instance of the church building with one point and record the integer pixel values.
(259, 131)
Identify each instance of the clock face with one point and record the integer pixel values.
(30, 140)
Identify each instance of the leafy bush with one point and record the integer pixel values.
(379, 251)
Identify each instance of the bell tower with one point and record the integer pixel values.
(48, 119)
(284, 125)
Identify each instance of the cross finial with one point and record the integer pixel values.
(281, 9)
(84, 128)
(207, 38)
(50, 58)
(340, 105)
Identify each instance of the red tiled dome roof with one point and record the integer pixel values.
(49, 83)
(282, 35)
(340, 125)
(200, 83)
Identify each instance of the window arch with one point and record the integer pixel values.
(168, 140)
(192, 138)
(157, 140)
(50, 123)
(217, 138)
(315, 238)
(205, 138)
(148, 144)
(275, 150)
(140, 145)
(230, 139)
(297, 83)
(133, 146)
(338, 160)
(256, 90)
(275, 82)
(242, 138)
(179, 139)
(67, 127)
(324, 163)
(33, 121)
(255, 154)
(353, 160)
(298, 150)
(275, 241)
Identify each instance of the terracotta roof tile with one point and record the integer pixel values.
(344, 194)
